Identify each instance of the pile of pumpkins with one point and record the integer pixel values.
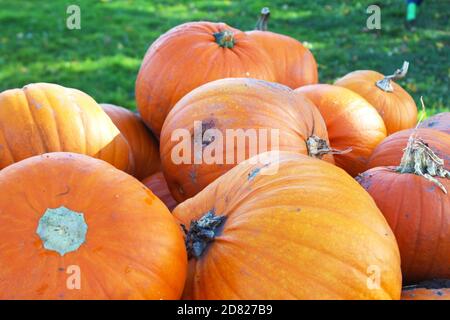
(353, 203)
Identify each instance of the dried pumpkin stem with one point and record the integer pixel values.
(225, 38)
(263, 20)
(419, 159)
(385, 83)
(318, 147)
(201, 233)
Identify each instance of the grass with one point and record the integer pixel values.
(103, 57)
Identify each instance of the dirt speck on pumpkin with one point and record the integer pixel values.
(252, 174)
(206, 125)
(179, 188)
(67, 191)
(363, 180)
(193, 174)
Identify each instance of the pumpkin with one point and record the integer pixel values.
(190, 55)
(75, 227)
(440, 121)
(143, 145)
(224, 122)
(351, 122)
(293, 63)
(428, 290)
(393, 103)
(413, 198)
(44, 117)
(273, 229)
(158, 185)
(390, 151)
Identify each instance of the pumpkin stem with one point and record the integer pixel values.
(261, 24)
(385, 83)
(201, 233)
(419, 159)
(318, 147)
(225, 38)
(62, 230)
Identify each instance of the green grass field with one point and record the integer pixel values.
(103, 57)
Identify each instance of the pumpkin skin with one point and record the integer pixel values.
(390, 151)
(158, 185)
(397, 108)
(418, 212)
(440, 121)
(44, 117)
(234, 104)
(351, 122)
(288, 229)
(294, 64)
(188, 56)
(426, 294)
(144, 146)
(133, 248)
(429, 290)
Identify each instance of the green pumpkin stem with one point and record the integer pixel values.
(318, 147)
(385, 83)
(225, 39)
(201, 233)
(263, 20)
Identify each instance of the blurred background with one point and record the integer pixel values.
(103, 58)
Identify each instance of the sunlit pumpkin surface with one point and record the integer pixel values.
(294, 228)
(239, 105)
(74, 227)
(397, 108)
(44, 117)
(351, 123)
(188, 56)
(293, 63)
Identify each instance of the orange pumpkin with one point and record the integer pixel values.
(190, 55)
(393, 103)
(351, 123)
(428, 290)
(144, 146)
(74, 227)
(224, 122)
(44, 117)
(158, 185)
(440, 121)
(390, 151)
(413, 198)
(293, 63)
(273, 229)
